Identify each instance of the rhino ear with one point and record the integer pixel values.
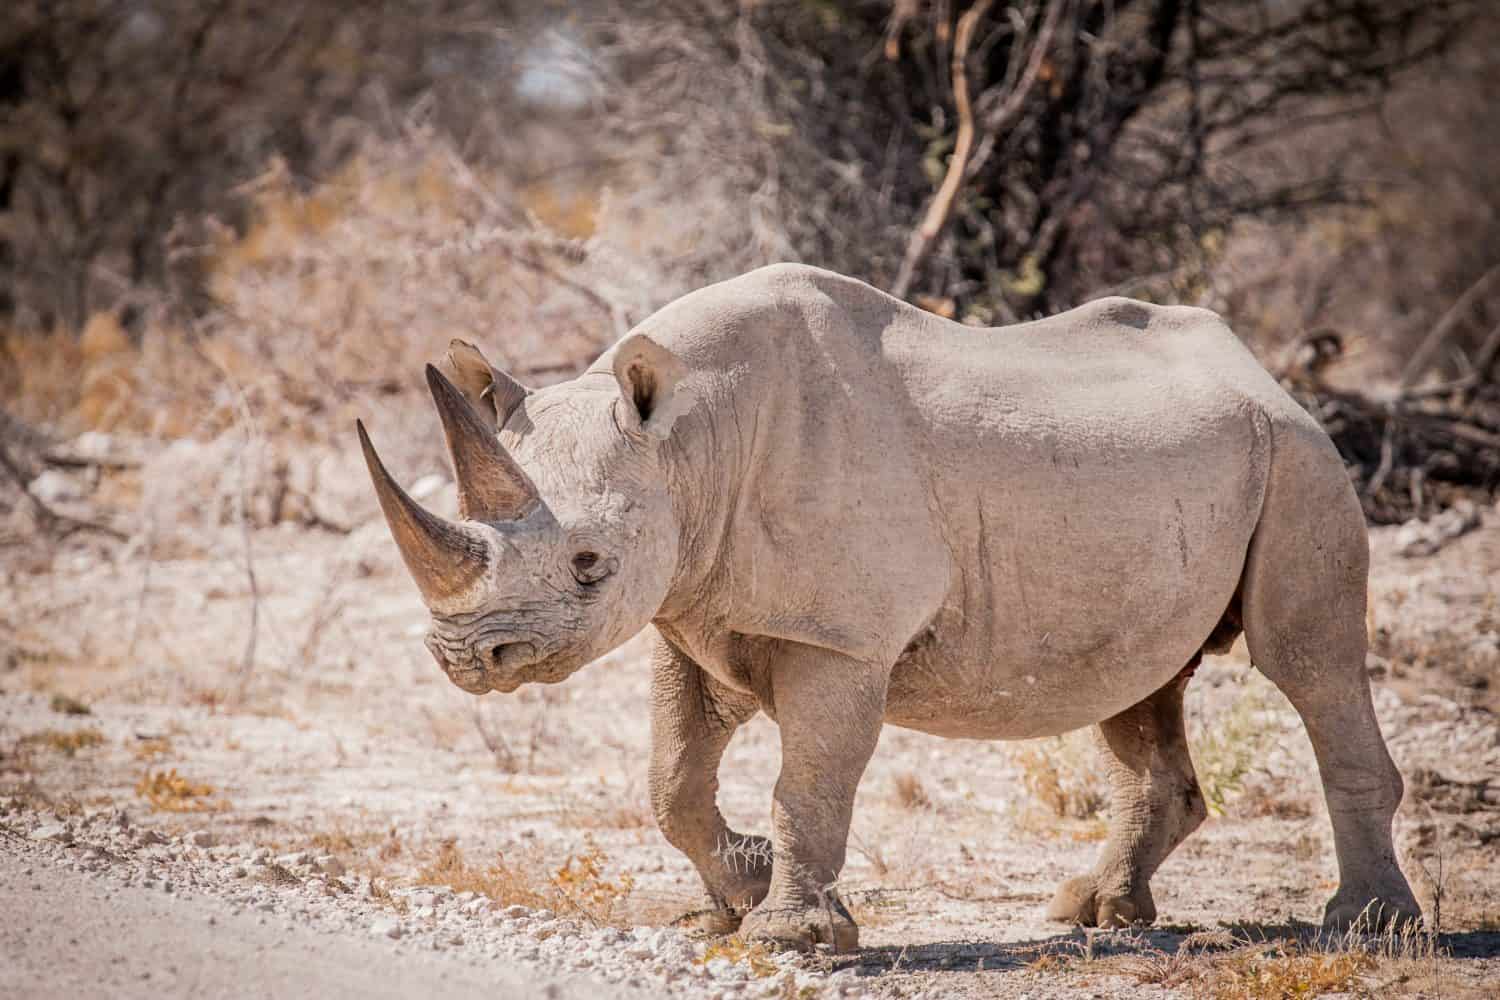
(650, 378)
(493, 394)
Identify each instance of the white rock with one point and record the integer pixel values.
(328, 864)
(386, 927)
(57, 833)
(54, 485)
(514, 912)
(202, 838)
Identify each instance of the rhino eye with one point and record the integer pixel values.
(589, 567)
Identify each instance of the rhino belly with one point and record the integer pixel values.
(1067, 617)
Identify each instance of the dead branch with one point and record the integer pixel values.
(1446, 326)
(942, 203)
(51, 522)
(494, 742)
(1413, 453)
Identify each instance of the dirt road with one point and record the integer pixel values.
(67, 934)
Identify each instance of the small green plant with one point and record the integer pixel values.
(1228, 745)
(68, 705)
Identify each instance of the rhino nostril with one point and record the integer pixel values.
(497, 652)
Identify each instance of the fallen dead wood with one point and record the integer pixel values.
(1413, 453)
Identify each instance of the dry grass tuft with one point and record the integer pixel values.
(910, 794)
(169, 791)
(582, 884)
(64, 741)
(1065, 775)
(1275, 972)
(1220, 966)
(506, 883)
(152, 748)
(1229, 744)
(755, 956)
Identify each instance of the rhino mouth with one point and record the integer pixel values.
(503, 666)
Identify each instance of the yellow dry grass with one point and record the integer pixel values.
(1065, 776)
(168, 791)
(755, 956)
(64, 741)
(583, 885)
(910, 792)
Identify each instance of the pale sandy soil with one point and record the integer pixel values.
(344, 739)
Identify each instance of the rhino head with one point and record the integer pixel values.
(567, 540)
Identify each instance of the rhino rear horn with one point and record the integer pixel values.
(491, 486)
(443, 558)
(492, 393)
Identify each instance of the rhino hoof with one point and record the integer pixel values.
(802, 928)
(719, 921)
(1079, 901)
(1372, 912)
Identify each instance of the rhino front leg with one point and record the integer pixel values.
(692, 719)
(829, 708)
(1154, 804)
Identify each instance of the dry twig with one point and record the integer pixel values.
(942, 202)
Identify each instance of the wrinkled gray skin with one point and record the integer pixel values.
(845, 512)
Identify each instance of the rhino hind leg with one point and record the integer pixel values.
(1304, 594)
(1155, 803)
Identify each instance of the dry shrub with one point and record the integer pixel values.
(329, 303)
(582, 882)
(910, 793)
(168, 791)
(64, 741)
(1064, 774)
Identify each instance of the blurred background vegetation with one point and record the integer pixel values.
(226, 217)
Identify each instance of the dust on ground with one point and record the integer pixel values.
(327, 778)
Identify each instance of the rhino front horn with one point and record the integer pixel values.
(443, 558)
(491, 486)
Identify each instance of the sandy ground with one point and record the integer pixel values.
(341, 751)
